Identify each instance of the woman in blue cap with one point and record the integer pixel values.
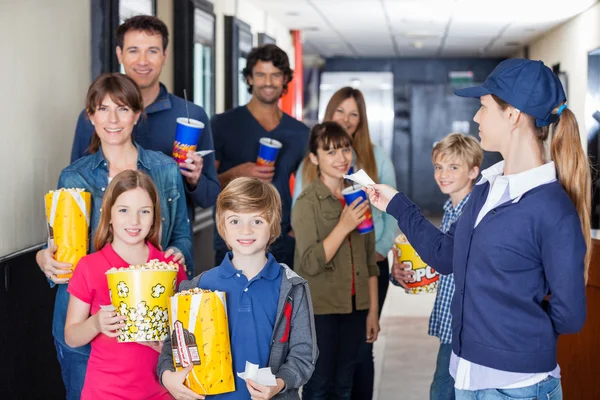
(521, 250)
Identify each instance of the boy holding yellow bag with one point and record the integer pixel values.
(269, 308)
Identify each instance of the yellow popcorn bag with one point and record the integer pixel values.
(141, 293)
(200, 336)
(426, 278)
(68, 218)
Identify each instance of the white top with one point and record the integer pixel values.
(503, 188)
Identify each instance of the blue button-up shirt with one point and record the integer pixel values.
(252, 310)
(91, 173)
(440, 322)
(156, 131)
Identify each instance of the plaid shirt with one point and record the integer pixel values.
(440, 322)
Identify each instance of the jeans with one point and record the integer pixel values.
(339, 337)
(548, 389)
(364, 373)
(73, 365)
(442, 387)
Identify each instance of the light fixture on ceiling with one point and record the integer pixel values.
(417, 44)
(420, 34)
(310, 29)
(355, 83)
(292, 13)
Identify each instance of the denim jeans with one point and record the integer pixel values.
(548, 389)
(339, 337)
(442, 387)
(364, 373)
(73, 365)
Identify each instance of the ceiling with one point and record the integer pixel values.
(420, 28)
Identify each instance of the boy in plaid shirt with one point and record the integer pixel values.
(456, 162)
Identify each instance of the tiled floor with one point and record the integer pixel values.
(404, 353)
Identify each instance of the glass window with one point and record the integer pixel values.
(204, 24)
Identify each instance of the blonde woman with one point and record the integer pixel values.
(521, 250)
(347, 107)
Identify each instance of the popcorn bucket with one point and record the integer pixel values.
(426, 278)
(200, 337)
(142, 295)
(68, 221)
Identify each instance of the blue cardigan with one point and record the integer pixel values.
(504, 268)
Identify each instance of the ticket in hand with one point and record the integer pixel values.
(361, 178)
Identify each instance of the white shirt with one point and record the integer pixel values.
(503, 188)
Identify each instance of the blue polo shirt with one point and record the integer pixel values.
(236, 134)
(252, 310)
(156, 131)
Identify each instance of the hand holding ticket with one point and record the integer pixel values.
(361, 178)
(262, 376)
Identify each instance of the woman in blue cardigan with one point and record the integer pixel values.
(521, 250)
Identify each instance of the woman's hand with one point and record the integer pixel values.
(50, 267)
(380, 195)
(262, 392)
(108, 322)
(353, 215)
(177, 257)
(173, 382)
(373, 327)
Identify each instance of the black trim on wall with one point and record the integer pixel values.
(29, 368)
(183, 46)
(233, 27)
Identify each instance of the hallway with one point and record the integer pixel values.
(404, 353)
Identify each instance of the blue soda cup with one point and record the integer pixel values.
(186, 138)
(350, 194)
(267, 152)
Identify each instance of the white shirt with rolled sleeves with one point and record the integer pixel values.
(468, 375)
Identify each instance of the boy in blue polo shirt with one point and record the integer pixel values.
(269, 307)
(456, 163)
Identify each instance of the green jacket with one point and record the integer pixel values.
(316, 212)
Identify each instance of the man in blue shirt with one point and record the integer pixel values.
(237, 132)
(142, 50)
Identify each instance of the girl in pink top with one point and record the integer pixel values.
(128, 234)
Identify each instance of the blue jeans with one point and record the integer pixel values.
(548, 389)
(72, 365)
(442, 387)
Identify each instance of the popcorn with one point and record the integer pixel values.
(150, 265)
(426, 278)
(68, 221)
(192, 292)
(141, 293)
(200, 337)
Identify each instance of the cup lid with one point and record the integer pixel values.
(271, 142)
(350, 190)
(193, 123)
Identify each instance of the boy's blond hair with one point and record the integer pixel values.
(250, 195)
(461, 147)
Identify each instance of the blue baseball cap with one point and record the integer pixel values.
(527, 85)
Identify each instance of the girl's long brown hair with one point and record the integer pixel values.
(572, 168)
(123, 182)
(361, 142)
(122, 90)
